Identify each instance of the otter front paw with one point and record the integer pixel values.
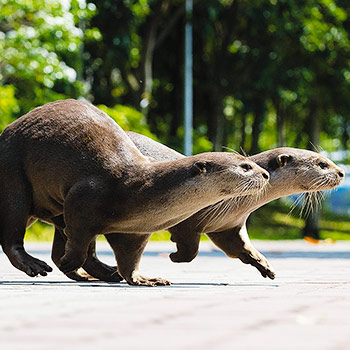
(37, 267)
(28, 264)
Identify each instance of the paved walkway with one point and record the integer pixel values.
(214, 303)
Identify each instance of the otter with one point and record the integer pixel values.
(291, 171)
(69, 164)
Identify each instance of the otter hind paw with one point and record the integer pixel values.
(76, 276)
(70, 264)
(182, 257)
(138, 280)
(258, 261)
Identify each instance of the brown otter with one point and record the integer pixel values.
(68, 157)
(291, 171)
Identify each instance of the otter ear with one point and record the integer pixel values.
(199, 168)
(283, 159)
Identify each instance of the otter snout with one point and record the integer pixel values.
(266, 175)
(328, 176)
(341, 173)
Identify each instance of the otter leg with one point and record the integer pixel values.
(84, 219)
(76, 250)
(236, 244)
(13, 226)
(57, 252)
(128, 249)
(187, 244)
(92, 265)
(96, 268)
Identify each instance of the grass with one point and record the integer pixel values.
(269, 222)
(274, 222)
(41, 232)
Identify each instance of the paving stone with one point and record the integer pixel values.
(214, 303)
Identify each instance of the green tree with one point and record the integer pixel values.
(40, 50)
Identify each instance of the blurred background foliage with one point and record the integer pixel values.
(267, 73)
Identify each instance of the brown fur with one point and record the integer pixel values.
(291, 171)
(69, 158)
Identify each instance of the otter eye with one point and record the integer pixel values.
(323, 165)
(246, 166)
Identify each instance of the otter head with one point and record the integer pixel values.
(230, 174)
(299, 170)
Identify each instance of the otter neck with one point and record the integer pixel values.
(167, 193)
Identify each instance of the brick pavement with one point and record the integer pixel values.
(214, 303)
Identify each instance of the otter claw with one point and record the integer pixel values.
(32, 266)
(258, 261)
(138, 280)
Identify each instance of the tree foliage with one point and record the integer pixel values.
(267, 73)
(42, 55)
(257, 66)
(39, 49)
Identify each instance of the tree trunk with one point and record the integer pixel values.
(280, 121)
(345, 136)
(219, 122)
(148, 74)
(243, 136)
(311, 228)
(259, 114)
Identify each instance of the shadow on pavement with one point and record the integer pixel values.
(94, 284)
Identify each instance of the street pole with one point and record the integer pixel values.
(188, 89)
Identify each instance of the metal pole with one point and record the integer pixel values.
(188, 103)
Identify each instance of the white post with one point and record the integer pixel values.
(188, 89)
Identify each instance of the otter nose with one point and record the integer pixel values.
(265, 176)
(341, 173)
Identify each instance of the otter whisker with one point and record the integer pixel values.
(206, 212)
(220, 210)
(244, 152)
(225, 208)
(319, 184)
(320, 179)
(312, 202)
(317, 149)
(296, 203)
(211, 215)
(307, 206)
(231, 149)
(222, 214)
